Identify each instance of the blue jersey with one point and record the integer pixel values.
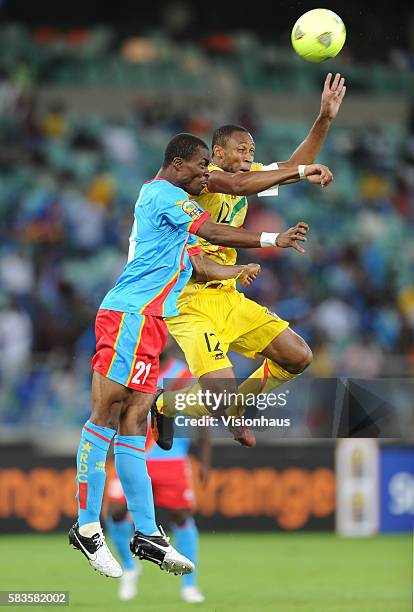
(158, 264)
(174, 371)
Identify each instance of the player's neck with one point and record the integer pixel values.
(168, 175)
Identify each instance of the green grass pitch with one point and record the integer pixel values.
(247, 572)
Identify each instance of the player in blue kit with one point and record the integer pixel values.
(130, 335)
(170, 473)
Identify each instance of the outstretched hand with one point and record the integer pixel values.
(291, 237)
(332, 96)
(248, 274)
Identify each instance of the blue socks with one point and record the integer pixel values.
(186, 540)
(120, 533)
(131, 468)
(90, 474)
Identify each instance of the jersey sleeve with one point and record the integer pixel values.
(272, 191)
(182, 212)
(193, 247)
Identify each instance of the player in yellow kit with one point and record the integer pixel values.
(214, 317)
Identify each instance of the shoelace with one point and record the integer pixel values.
(100, 543)
(98, 539)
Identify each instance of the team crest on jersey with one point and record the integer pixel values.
(190, 209)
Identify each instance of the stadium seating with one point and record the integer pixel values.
(68, 184)
(97, 57)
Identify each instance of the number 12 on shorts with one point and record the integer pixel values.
(208, 337)
(142, 371)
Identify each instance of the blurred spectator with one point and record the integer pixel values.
(54, 122)
(9, 96)
(67, 189)
(362, 360)
(336, 319)
(16, 332)
(16, 274)
(120, 143)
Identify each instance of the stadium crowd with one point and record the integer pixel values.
(68, 184)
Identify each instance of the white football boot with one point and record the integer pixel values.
(192, 594)
(157, 548)
(128, 588)
(96, 551)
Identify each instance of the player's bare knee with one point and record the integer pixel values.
(101, 418)
(303, 358)
(117, 511)
(119, 515)
(299, 357)
(132, 424)
(105, 395)
(133, 416)
(115, 415)
(179, 517)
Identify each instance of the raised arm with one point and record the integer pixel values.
(332, 96)
(250, 183)
(206, 269)
(236, 237)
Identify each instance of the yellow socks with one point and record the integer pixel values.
(188, 402)
(171, 403)
(266, 378)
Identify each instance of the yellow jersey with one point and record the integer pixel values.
(224, 208)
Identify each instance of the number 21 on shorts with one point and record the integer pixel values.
(142, 371)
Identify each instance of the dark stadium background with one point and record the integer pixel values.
(376, 26)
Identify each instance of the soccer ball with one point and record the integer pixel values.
(318, 35)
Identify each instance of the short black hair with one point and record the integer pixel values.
(184, 146)
(223, 133)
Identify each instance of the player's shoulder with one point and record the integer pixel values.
(165, 192)
(254, 166)
(168, 188)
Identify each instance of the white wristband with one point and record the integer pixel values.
(268, 240)
(301, 171)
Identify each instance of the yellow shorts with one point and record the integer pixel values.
(215, 320)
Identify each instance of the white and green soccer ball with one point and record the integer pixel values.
(318, 35)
